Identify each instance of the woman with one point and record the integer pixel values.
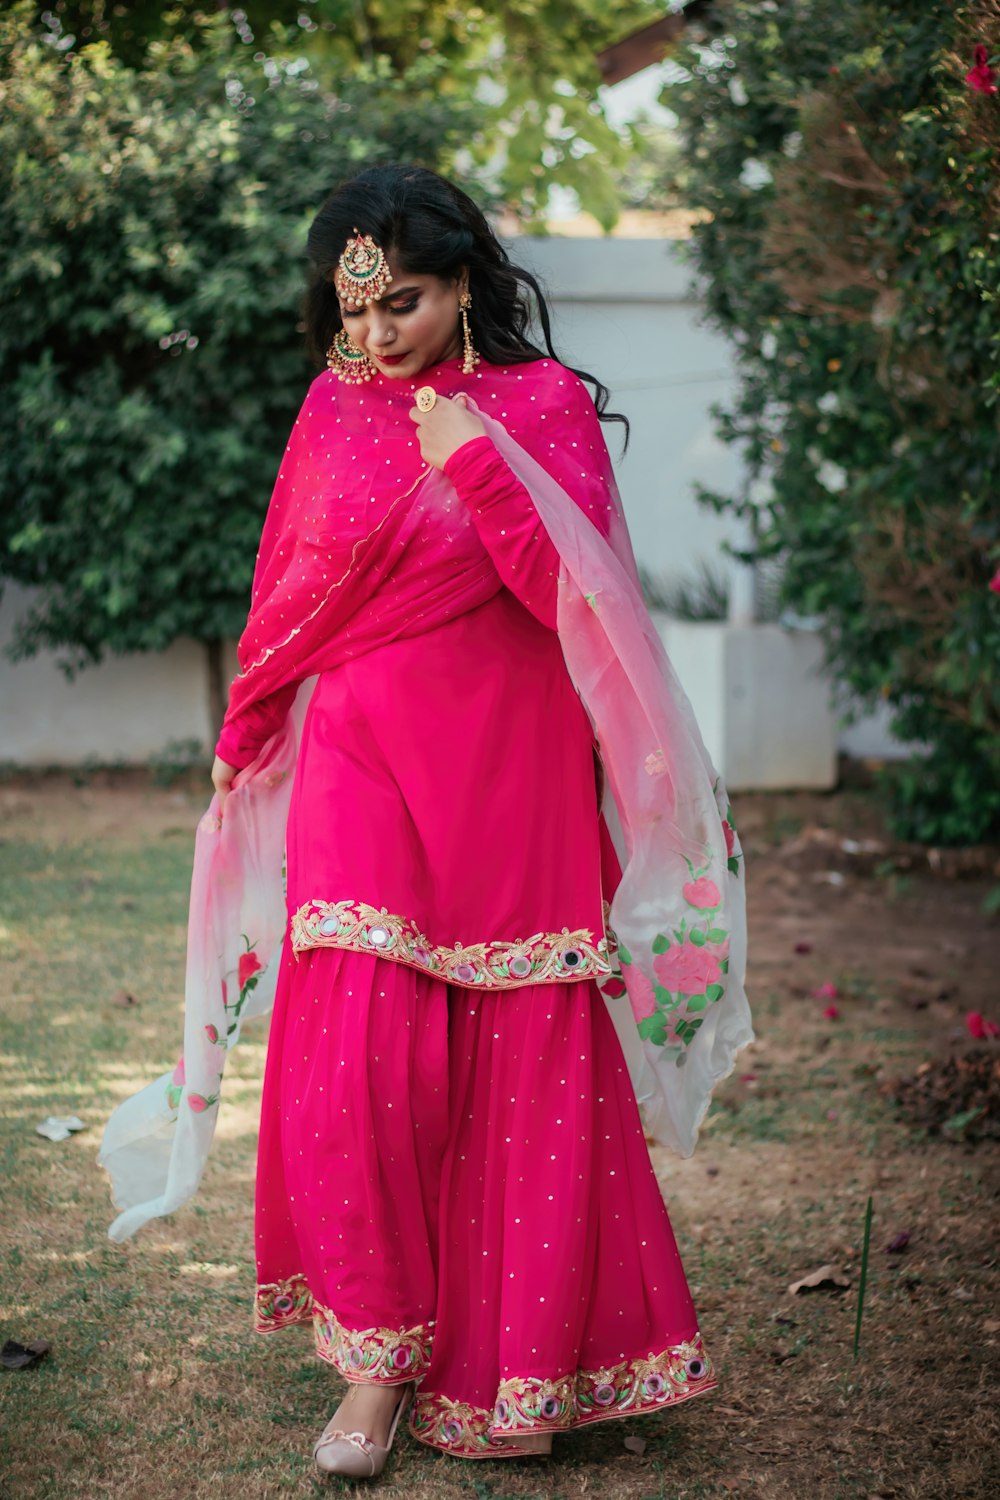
(453, 1186)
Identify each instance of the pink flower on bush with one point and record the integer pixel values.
(249, 966)
(978, 1027)
(826, 991)
(688, 970)
(982, 77)
(831, 1012)
(995, 582)
(703, 893)
(177, 1076)
(641, 994)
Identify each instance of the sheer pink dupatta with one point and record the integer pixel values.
(679, 913)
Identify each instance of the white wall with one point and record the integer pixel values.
(124, 710)
(623, 313)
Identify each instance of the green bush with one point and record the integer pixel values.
(151, 273)
(849, 245)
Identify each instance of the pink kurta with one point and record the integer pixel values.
(446, 778)
(453, 1183)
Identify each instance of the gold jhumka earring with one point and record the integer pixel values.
(349, 363)
(361, 277)
(471, 359)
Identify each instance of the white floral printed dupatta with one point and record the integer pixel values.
(679, 914)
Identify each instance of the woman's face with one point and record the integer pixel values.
(413, 325)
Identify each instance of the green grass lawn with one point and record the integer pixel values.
(156, 1386)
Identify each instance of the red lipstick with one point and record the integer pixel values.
(390, 359)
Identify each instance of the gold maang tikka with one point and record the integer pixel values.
(362, 273)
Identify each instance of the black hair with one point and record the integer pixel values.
(434, 229)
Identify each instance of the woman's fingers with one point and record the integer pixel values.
(222, 779)
(445, 427)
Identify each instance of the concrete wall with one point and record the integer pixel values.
(126, 709)
(622, 311)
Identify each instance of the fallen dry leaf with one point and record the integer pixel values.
(15, 1356)
(636, 1445)
(898, 1243)
(123, 999)
(825, 1278)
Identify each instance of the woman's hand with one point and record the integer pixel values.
(445, 428)
(222, 779)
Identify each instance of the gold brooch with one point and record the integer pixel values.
(425, 397)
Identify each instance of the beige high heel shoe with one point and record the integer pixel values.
(535, 1444)
(353, 1454)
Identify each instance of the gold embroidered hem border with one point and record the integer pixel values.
(544, 957)
(279, 1304)
(386, 1355)
(633, 1387)
(524, 1403)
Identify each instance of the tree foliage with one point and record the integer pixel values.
(150, 278)
(851, 249)
(531, 64)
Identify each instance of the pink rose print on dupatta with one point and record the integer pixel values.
(177, 1076)
(249, 966)
(640, 992)
(688, 970)
(703, 893)
(730, 837)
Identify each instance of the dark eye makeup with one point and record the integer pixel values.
(399, 307)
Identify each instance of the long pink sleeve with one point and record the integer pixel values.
(244, 735)
(508, 525)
